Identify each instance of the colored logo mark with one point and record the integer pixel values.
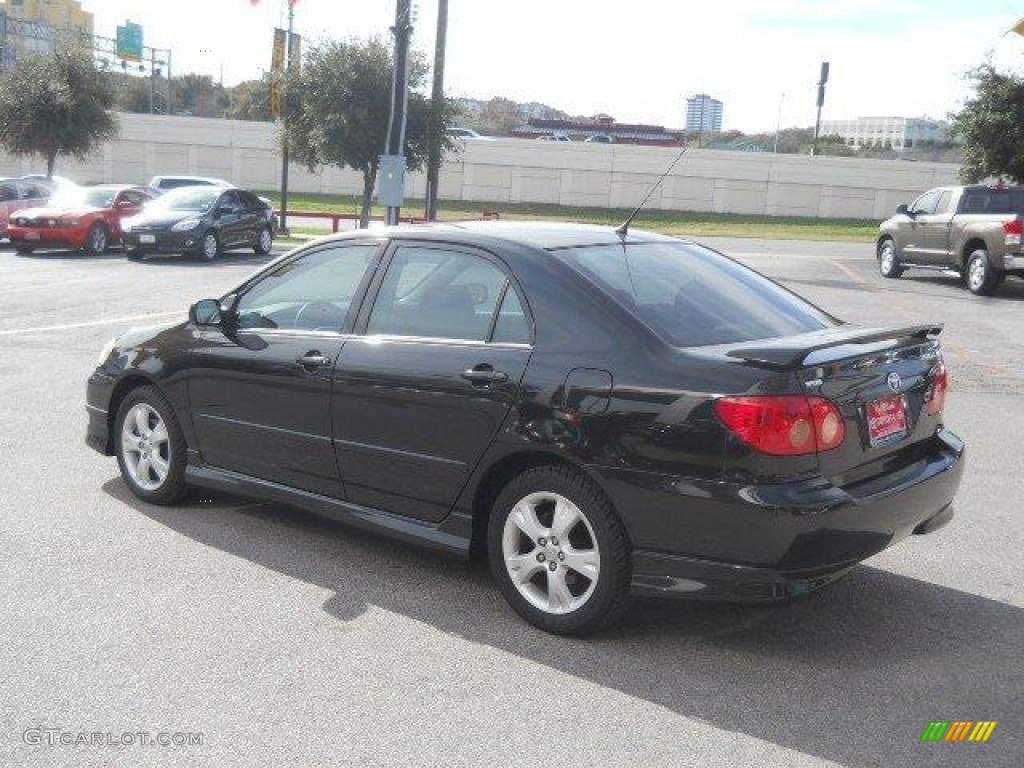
(958, 730)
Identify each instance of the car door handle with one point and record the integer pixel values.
(484, 374)
(313, 359)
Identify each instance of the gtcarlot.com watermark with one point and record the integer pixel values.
(62, 737)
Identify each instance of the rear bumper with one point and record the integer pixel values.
(725, 541)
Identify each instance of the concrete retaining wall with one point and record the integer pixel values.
(514, 171)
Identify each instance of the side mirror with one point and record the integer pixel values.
(206, 312)
(902, 209)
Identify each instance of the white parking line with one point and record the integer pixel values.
(108, 321)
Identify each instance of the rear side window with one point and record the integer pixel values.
(438, 293)
(994, 201)
(694, 297)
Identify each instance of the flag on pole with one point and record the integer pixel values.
(1018, 28)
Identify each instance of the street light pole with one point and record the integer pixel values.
(436, 108)
(821, 102)
(399, 91)
(284, 118)
(778, 126)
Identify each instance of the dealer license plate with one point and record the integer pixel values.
(887, 419)
(147, 239)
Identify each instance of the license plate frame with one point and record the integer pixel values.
(147, 239)
(886, 419)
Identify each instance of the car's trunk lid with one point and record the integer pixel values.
(879, 378)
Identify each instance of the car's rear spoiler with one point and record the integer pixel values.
(790, 352)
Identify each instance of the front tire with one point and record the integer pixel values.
(264, 242)
(97, 241)
(209, 248)
(888, 260)
(559, 552)
(150, 446)
(982, 278)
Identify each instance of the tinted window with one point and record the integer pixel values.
(437, 293)
(512, 325)
(314, 292)
(692, 296)
(994, 201)
(8, 192)
(251, 202)
(926, 202)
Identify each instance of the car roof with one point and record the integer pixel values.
(544, 235)
(205, 179)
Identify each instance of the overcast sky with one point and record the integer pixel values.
(635, 60)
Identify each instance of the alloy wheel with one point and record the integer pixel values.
(266, 241)
(976, 273)
(550, 552)
(210, 246)
(146, 447)
(888, 258)
(99, 240)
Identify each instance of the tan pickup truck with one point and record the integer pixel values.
(974, 230)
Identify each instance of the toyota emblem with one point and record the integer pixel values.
(894, 382)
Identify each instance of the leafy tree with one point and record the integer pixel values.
(250, 100)
(991, 126)
(55, 104)
(199, 95)
(339, 107)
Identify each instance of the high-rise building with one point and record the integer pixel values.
(896, 133)
(55, 15)
(703, 114)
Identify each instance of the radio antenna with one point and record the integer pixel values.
(623, 229)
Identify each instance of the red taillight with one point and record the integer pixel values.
(786, 425)
(936, 397)
(1013, 231)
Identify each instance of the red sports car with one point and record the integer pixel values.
(88, 218)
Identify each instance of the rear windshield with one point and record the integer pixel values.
(994, 201)
(694, 297)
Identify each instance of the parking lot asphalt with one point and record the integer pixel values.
(287, 640)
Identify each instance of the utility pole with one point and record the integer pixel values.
(436, 102)
(284, 118)
(821, 102)
(152, 79)
(393, 164)
(778, 126)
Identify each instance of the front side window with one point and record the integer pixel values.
(944, 202)
(926, 202)
(312, 293)
(437, 293)
(692, 296)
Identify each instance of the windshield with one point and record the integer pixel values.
(87, 197)
(692, 296)
(193, 199)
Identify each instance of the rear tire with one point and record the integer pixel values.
(888, 260)
(134, 255)
(981, 277)
(97, 241)
(556, 516)
(24, 250)
(264, 242)
(150, 446)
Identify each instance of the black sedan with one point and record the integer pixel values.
(598, 414)
(201, 221)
